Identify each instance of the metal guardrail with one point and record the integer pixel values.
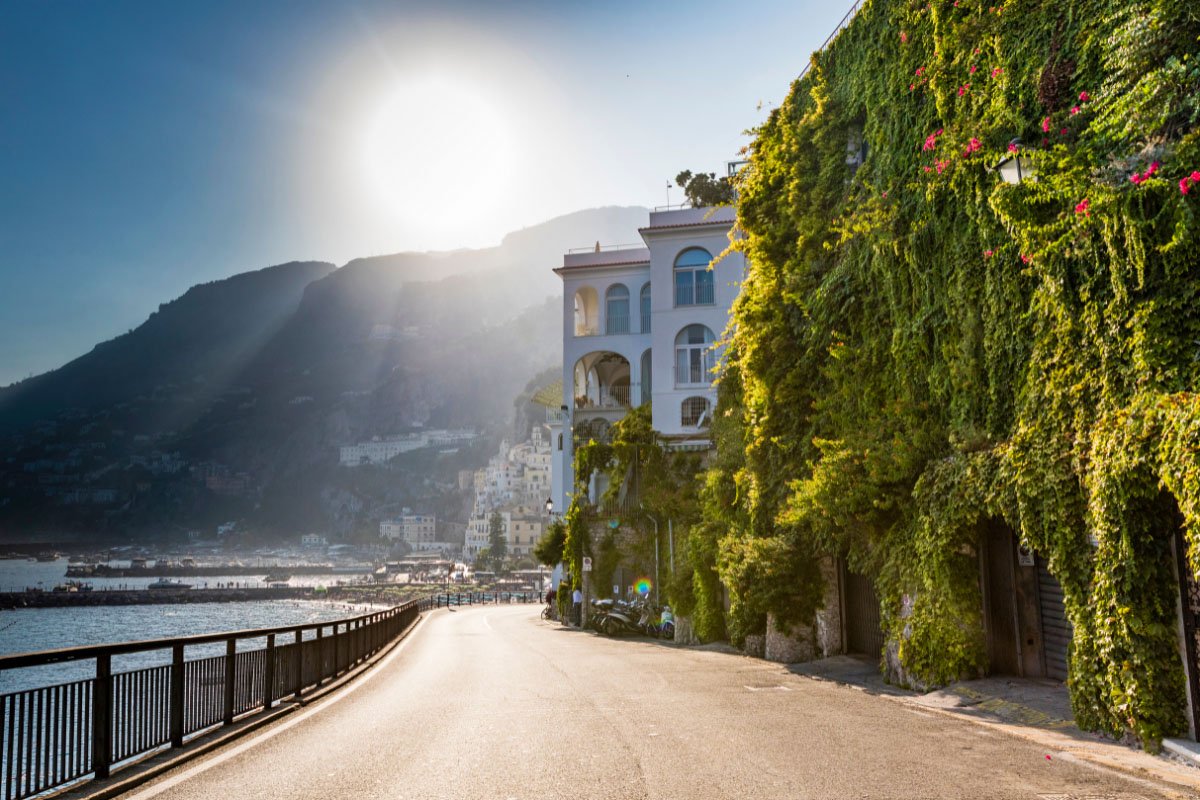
(447, 599)
(57, 735)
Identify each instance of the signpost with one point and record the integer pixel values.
(587, 594)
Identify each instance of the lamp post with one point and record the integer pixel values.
(1015, 167)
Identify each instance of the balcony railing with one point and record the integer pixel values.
(618, 323)
(610, 397)
(694, 374)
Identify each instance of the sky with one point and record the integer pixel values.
(146, 146)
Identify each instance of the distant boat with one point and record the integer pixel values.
(167, 583)
(73, 586)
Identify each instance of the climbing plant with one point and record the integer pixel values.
(920, 348)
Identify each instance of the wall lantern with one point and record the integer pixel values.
(549, 506)
(1016, 167)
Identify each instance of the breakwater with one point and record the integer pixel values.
(177, 571)
(131, 597)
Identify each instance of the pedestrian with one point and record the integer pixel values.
(577, 604)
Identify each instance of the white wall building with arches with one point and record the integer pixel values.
(641, 324)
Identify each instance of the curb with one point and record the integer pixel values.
(156, 765)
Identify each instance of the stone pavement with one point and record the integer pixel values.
(1036, 710)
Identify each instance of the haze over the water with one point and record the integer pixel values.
(150, 146)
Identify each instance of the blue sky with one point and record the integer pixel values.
(149, 146)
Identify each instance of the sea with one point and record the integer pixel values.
(26, 630)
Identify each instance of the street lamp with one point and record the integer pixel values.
(549, 506)
(1015, 167)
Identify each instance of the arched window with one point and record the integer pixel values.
(693, 356)
(693, 278)
(694, 412)
(646, 309)
(616, 309)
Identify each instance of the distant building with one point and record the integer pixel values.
(380, 451)
(313, 540)
(418, 531)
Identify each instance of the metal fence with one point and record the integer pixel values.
(56, 735)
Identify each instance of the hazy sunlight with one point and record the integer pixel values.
(437, 153)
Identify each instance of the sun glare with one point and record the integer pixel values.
(437, 154)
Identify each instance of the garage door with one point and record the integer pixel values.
(1056, 630)
(863, 634)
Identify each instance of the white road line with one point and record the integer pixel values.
(337, 697)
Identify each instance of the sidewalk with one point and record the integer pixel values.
(1036, 710)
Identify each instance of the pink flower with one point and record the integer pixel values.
(903, 37)
(1135, 178)
(977, 51)
(930, 143)
(966, 87)
(1084, 97)
(940, 166)
(927, 169)
(1153, 169)
(912, 86)
(1195, 176)
(972, 146)
(1183, 185)
(1082, 208)
(989, 253)
(885, 195)
(1013, 147)
(973, 69)
(1046, 125)
(997, 72)
(920, 71)
(1074, 110)
(1062, 132)
(1024, 259)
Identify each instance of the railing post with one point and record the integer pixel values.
(230, 678)
(177, 696)
(102, 716)
(269, 673)
(337, 649)
(320, 674)
(299, 685)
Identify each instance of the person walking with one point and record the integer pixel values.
(577, 606)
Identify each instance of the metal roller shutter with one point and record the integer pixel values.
(863, 633)
(1056, 629)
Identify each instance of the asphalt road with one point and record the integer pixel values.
(494, 703)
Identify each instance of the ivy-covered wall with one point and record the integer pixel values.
(920, 347)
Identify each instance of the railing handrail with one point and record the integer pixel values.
(65, 654)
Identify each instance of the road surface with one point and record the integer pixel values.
(493, 702)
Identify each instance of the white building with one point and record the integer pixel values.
(419, 531)
(381, 450)
(639, 325)
(522, 527)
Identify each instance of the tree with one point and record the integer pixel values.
(706, 189)
(497, 546)
(549, 549)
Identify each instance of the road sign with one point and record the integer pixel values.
(587, 564)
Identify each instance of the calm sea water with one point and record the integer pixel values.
(29, 629)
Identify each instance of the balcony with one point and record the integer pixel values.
(608, 397)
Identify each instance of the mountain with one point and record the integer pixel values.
(232, 401)
(201, 338)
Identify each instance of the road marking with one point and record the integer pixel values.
(768, 688)
(337, 697)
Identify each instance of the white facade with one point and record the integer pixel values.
(639, 325)
(380, 451)
(419, 531)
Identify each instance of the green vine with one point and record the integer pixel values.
(921, 350)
